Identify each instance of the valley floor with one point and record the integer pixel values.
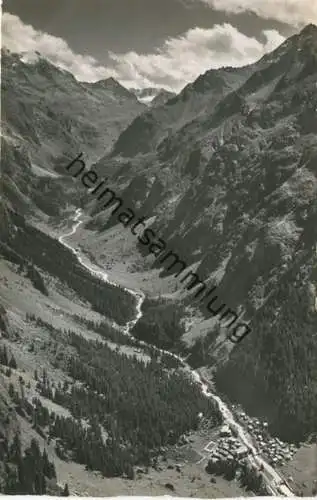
(117, 254)
(29, 344)
(61, 309)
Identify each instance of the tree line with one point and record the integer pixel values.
(231, 468)
(29, 472)
(133, 408)
(50, 255)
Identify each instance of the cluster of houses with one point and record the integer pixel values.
(275, 451)
(227, 447)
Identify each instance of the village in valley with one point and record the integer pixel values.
(273, 449)
(229, 447)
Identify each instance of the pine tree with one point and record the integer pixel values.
(11, 482)
(65, 492)
(4, 356)
(15, 450)
(11, 391)
(13, 363)
(35, 450)
(46, 465)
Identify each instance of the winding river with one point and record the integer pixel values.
(272, 478)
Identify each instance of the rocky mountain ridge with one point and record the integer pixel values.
(152, 96)
(227, 170)
(46, 116)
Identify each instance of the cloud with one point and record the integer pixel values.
(294, 12)
(22, 38)
(178, 61)
(181, 60)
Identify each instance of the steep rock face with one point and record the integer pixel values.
(48, 116)
(114, 89)
(239, 191)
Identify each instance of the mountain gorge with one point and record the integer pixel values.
(232, 186)
(225, 174)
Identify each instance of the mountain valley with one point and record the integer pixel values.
(111, 370)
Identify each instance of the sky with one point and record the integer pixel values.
(150, 43)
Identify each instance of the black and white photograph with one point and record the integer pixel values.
(158, 249)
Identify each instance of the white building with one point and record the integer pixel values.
(241, 452)
(225, 431)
